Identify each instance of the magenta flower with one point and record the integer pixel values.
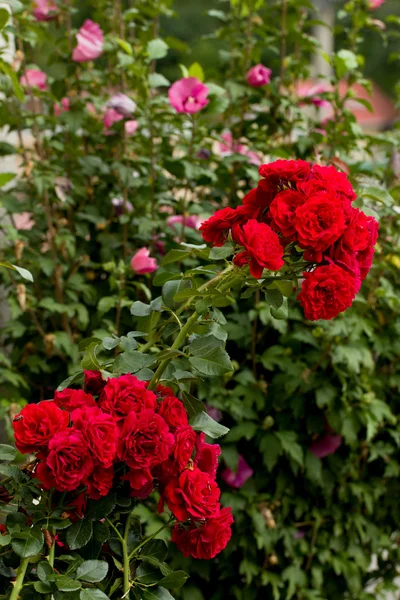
(130, 127)
(142, 262)
(111, 116)
(237, 480)
(64, 106)
(227, 147)
(188, 95)
(191, 221)
(313, 93)
(90, 42)
(214, 413)
(258, 76)
(34, 78)
(325, 445)
(44, 10)
(122, 104)
(374, 4)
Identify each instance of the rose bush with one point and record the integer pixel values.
(113, 176)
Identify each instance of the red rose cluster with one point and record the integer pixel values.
(306, 206)
(80, 437)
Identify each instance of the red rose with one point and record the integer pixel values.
(319, 222)
(192, 495)
(365, 257)
(100, 432)
(284, 172)
(208, 539)
(258, 199)
(122, 395)
(283, 209)
(326, 292)
(356, 236)
(262, 247)
(185, 439)
(94, 382)
(215, 230)
(207, 456)
(166, 471)
(141, 482)
(76, 507)
(36, 424)
(69, 462)
(335, 178)
(100, 482)
(145, 440)
(163, 390)
(173, 412)
(70, 399)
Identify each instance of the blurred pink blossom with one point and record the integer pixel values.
(214, 413)
(237, 480)
(130, 127)
(121, 206)
(258, 76)
(191, 221)
(23, 221)
(34, 78)
(142, 262)
(111, 116)
(44, 10)
(313, 93)
(90, 107)
(188, 95)
(124, 105)
(64, 106)
(227, 147)
(325, 445)
(374, 4)
(90, 42)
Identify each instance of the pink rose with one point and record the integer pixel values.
(34, 78)
(111, 116)
(90, 42)
(44, 10)
(188, 95)
(237, 480)
(142, 262)
(191, 221)
(64, 106)
(258, 76)
(130, 127)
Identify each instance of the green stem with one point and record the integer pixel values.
(19, 582)
(175, 346)
(51, 553)
(126, 557)
(148, 539)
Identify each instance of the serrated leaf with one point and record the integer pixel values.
(132, 362)
(66, 584)
(274, 298)
(208, 357)
(42, 587)
(92, 570)
(203, 422)
(174, 580)
(92, 594)
(140, 309)
(79, 534)
(174, 256)
(7, 453)
(28, 542)
(98, 509)
(158, 593)
(218, 253)
(109, 343)
(193, 405)
(44, 571)
(172, 288)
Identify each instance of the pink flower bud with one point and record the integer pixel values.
(142, 262)
(44, 10)
(258, 76)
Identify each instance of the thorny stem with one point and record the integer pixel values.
(19, 582)
(126, 557)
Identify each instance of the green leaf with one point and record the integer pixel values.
(140, 309)
(174, 580)
(92, 594)
(282, 312)
(271, 448)
(154, 550)
(171, 289)
(378, 194)
(131, 362)
(218, 253)
(193, 405)
(196, 70)
(203, 422)
(92, 570)
(6, 177)
(208, 357)
(126, 46)
(27, 542)
(313, 466)
(158, 593)
(345, 61)
(148, 574)
(290, 446)
(79, 534)
(18, 90)
(274, 298)
(42, 587)
(7, 453)
(174, 256)
(66, 584)
(158, 80)
(98, 509)
(109, 343)
(4, 16)
(157, 49)
(75, 378)
(45, 571)
(23, 272)
(5, 540)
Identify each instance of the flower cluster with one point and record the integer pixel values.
(120, 431)
(302, 208)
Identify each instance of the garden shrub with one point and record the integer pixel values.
(109, 184)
